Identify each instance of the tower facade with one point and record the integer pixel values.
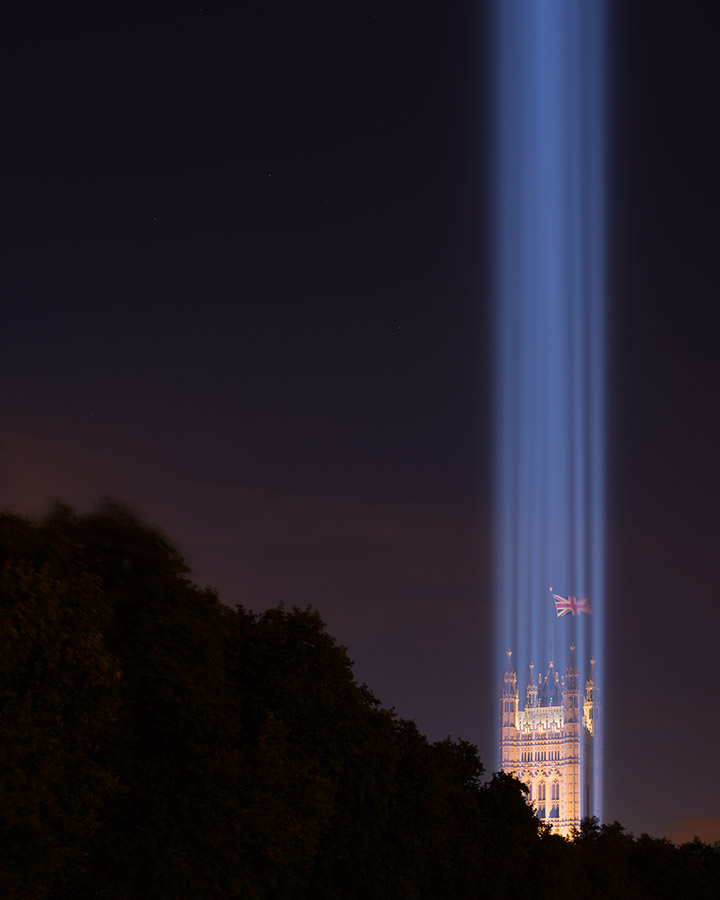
(549, 744)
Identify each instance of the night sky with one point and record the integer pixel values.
(246, 288)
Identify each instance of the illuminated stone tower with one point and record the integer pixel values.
(550, 744)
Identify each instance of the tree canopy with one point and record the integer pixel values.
(156, 743)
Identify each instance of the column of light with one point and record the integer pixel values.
(549, 198)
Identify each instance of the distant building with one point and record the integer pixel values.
(550, 745)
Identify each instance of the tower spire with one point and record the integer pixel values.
(531, 690)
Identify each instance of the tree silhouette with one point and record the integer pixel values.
(154, 742)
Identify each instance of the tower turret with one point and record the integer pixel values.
(589, 703)
(571, 788)
(571, 692)
(592, 749)
(531, 691)
(508, 718)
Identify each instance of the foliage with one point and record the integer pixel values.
(59, 698)
(154, 742)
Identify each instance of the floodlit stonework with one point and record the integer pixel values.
(549, 745)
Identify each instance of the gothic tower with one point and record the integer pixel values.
(549, 745)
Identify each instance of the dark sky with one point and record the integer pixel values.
(246, 287)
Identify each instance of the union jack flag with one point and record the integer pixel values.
(571, 605)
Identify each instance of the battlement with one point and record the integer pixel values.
(541, 718)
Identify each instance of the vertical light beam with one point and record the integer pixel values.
(549, 222)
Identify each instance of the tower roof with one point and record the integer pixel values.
(549, 693)
(531, 688)
(571, 672)
(509, 667)
(509, 678)
(572, 667)
(531, 676)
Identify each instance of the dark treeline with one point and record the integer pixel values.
(157, 744)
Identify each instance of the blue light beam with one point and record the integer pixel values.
(549, 222)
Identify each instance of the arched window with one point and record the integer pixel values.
(541, 792)
(555, 791)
